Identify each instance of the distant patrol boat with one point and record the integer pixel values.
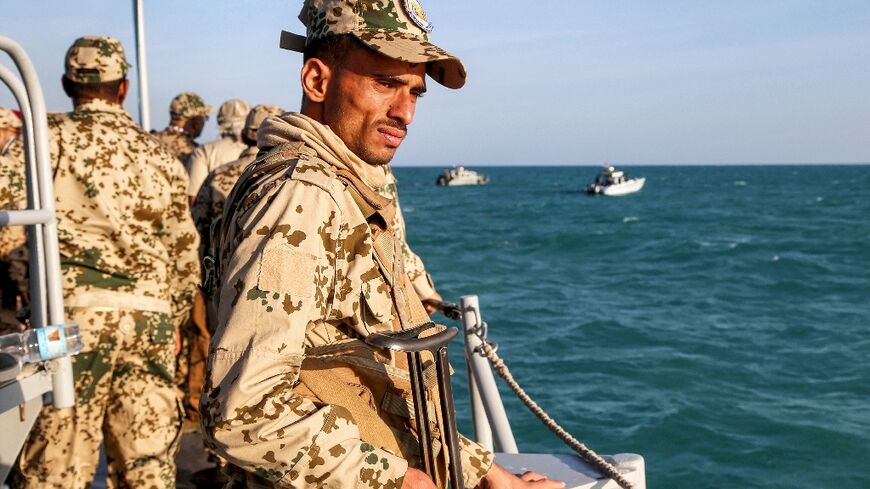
(459, 175)
(613, 182)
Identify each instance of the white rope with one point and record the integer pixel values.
(586, 453)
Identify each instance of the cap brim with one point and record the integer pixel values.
(442, 66)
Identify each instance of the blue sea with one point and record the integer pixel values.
(715, 323)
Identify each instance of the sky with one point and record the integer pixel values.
(549, 83)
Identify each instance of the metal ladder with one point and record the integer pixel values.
(28, 387)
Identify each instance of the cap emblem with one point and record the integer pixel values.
(417, 14)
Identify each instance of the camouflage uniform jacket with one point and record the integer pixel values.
(298, 272)
(13, 252)
(177, 142)
(124, 228)
(208, 157)
(209, 202)
(13, 195)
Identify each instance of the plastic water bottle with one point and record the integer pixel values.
(41, 344)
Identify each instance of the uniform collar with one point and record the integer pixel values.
(100, 105)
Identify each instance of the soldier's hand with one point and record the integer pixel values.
(417, 479)
(430, 303)
(499, 478)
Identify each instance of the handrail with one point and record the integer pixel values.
(46, 291)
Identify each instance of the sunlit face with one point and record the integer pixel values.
(371, 101)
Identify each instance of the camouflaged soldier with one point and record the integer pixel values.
(13, 256)
(231, 121)
(129, 269)
(187, 116)
(310, 266)
(209, 203)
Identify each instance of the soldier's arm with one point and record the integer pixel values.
(201, 210)
(281, 278)
(182, 244)
(13, 195)
(197, 169)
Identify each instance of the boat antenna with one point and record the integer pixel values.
(141, 65)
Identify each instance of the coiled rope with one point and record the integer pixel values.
(585, 452)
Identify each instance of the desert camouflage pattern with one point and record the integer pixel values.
(209, 203)
(187, 105)
(96, 59)
(398, 29)
(124, 223)
(177, 142)
(420, 278)
(13, 252)
(124, 390)
(256, 117)
(208, 157)
(8, 119)
(129, 269)
(298, 275)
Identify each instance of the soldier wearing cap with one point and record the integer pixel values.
(209, 203)
(129, 270)
(204, 159)
(310, 265)
(188, 113)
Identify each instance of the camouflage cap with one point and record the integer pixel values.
(256, 117)
(96, 59)
(8, 119)
(398, 29)
(188, 104)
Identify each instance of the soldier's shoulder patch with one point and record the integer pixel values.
(313, 170)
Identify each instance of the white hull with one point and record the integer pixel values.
(627, 187)
(458, 182)
(460, 176)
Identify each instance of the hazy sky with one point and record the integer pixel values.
(578, 82)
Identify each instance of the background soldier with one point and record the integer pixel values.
(129, 270)
(310, 266)
(231, 120)
(13, 256)
(187, 116)
(209, 202)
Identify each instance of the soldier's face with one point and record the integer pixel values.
(194, 125)
(370, 102)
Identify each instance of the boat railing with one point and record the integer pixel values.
(23, 386)
(492, 427)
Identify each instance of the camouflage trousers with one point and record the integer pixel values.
(125, 399)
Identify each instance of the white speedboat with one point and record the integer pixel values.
(459, 175)
(613, 182)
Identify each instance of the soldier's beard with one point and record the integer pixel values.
(384, 158)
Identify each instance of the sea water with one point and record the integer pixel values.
(716, 322)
